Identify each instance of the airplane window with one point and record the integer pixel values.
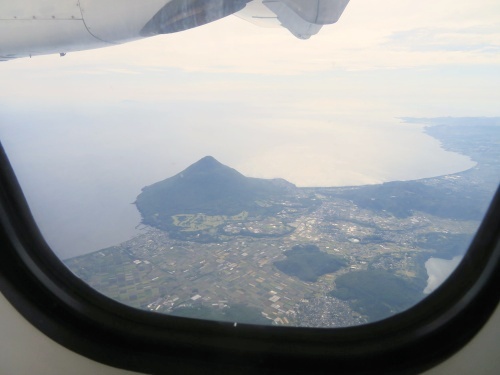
(308, 175)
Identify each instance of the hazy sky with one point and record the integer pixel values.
(93, 127)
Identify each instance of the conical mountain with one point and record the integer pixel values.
(208, 187)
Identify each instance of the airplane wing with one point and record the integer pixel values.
(38, 27)
(303, 18)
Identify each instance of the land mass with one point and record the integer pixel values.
(223, 246)
(209, 202)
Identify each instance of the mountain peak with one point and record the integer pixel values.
(208, 165)
(208, 187)
(207, 162)
(207, 159)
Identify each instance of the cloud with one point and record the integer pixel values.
(481, 39)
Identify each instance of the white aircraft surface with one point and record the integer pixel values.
(31, 27)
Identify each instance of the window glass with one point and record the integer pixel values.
(296, 175)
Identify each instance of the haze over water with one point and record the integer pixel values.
(81, 177)
(438, 271)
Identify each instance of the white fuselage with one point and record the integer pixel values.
(38, 27)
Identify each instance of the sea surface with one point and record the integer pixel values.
(82, 173)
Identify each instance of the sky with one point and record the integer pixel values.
(85, 132)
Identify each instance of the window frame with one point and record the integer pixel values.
(76, 316)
